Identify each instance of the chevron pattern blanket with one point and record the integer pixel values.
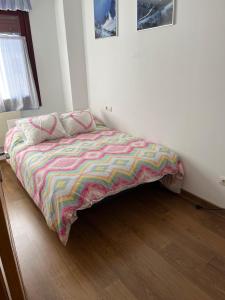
(71, 174)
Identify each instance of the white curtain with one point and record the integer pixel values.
(17, 86)
(23, 5)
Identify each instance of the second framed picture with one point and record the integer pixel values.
(106, 18)
(154, 13)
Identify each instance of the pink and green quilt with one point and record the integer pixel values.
(71, 174)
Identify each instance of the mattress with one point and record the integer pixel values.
(71, 174)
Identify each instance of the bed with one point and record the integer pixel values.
(70, 174)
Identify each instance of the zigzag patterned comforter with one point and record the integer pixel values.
(71, 174)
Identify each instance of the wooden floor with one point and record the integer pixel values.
(145, 243)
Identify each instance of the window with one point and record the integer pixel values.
(17, 60)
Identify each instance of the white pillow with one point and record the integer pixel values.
(78, 122)
(41, 128)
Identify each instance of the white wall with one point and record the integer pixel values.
(167, 84)
(44, 34)
(63, 53)
(76, 53)
(71, 48)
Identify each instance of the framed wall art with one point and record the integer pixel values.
(106, 18)
(154, 13)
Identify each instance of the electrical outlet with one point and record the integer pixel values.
(222, 180)
(108, 108)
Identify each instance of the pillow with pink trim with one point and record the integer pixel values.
(78, 122)
(41, 128)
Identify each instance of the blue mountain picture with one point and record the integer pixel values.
(105, 18)
(154, 13)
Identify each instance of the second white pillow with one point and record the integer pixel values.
(78, 122)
